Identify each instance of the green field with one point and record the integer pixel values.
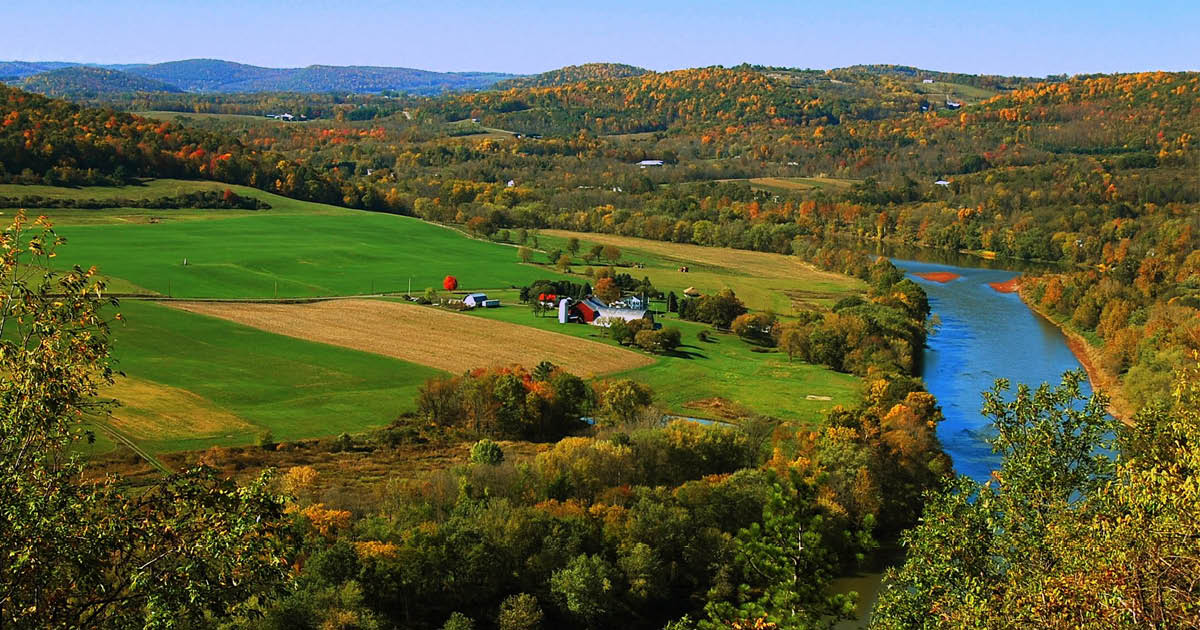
(193, 381)
(294, 388)
(724, 367)
(295, 249)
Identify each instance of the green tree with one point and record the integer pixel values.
(721, 309)
(572, 246)
(623, 400)
(563, 264)
(486, 452)
(520, 612)
(788, 564)
(191, 547)
(586, 589)
(525, 254)
(1001, 553)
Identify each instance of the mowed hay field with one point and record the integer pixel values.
(193, 381)
(777, 282)
(424, 335)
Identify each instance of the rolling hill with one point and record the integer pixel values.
(574, 74)
(89, 81)
(216, 75)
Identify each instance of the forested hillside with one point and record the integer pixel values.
(216, 75)
(574, 74)
(87, 82)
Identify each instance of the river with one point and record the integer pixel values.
(983, 335)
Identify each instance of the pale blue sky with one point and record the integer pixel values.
(524, 36)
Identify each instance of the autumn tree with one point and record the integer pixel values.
(606, 289)
(622, 401)
(525, 254)
(611, 253)
(563, 263)
(189, 548)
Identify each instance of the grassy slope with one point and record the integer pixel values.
(294, 388)
(305, 249)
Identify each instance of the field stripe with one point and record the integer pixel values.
(428, 336)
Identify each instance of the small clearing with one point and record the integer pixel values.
(424, 335)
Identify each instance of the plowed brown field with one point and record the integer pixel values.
(424, 335)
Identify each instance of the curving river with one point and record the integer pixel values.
(984, 335)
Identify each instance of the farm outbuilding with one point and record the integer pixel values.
(477, 300)
(592, 311)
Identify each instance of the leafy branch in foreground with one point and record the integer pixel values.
(83, 554)
(1066, 535)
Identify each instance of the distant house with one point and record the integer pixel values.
(927, 81)
(953, 104)
(287, 117)
(592, 311)
(691, 292)
(943, 183)
(511, 183)
(645, 163)
(477, 300)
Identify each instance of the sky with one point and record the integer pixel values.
(1011, 37)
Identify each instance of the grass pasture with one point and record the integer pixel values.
(762, 280)
(427, 336)
(238, 381)
(295, 249)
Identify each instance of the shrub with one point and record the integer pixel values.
(266, 440)
(487, 452)
(520, 612)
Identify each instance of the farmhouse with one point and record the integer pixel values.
(476, 300)
(592, 311)
(645, 163)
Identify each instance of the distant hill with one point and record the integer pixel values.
(216, 75)
(89, 82)
(574, 74)
(207, 75)
(12, 70)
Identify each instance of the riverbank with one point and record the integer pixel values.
(1089, 357)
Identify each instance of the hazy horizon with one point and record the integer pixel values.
(1022, 38)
